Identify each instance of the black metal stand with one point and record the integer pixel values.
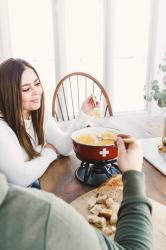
(94, 173)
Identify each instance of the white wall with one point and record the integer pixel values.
(160, 36)
(5, 45)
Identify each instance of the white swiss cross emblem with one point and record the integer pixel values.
(104, 152)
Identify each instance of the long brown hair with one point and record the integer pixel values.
(11, 104)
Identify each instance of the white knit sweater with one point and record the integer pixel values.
(14, 161)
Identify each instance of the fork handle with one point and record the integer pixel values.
(128, 140)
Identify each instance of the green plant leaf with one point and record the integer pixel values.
(163, 93)
(154, 82)
(163, 68)
(161, 103)
(155, 87)
(149, 98)
(156, 96)
(155, 92)
(152, 93)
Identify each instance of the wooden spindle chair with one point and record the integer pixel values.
(72, 90)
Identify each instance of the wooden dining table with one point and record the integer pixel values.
(60, 179)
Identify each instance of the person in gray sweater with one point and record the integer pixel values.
(33, 219)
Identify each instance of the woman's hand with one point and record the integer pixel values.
(90, 104)
(47, 145)
(130, 158)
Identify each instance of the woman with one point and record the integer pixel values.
(29, 139)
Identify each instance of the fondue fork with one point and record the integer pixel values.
(126, 140)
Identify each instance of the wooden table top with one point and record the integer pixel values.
(60, 176)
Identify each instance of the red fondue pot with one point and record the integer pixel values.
(94, 152)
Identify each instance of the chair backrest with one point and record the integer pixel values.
(72, 90)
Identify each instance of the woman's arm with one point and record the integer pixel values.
(61, 140)
(12, 164)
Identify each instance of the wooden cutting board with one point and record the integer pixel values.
(158, 218)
